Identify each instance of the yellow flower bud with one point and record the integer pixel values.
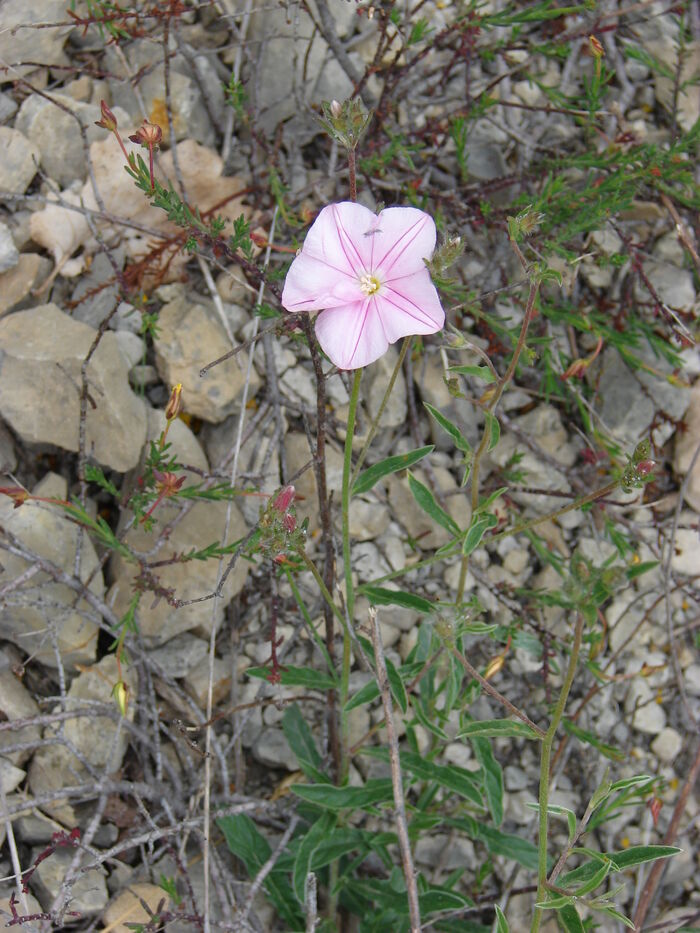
(120, 692)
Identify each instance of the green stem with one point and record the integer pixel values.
(310, 565)
(550, 516)
(375, 422)
(544, 770)
(347, 565)
(491, 407)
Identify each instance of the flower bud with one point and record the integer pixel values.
(336, 108)
(174, 406)
(645, 467)
(284, 499)
(595, 47)
(148, 134)
(120, 692)
(108, 121)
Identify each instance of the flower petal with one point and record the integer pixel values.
(406, 237)
(337, 237)
(410, 305)
(352, 336)
(312, 284)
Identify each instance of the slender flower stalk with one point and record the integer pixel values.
(545, 756)
(347, 565)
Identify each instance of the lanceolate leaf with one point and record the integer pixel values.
(503, 728)
(380, 596)
(426, 500)
(461, 443)
(367, 479)
(318, 832)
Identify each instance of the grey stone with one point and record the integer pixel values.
(44, 530)
(8, 107)
(57, 136)
(647, 715)
(41, 353)
(673, 286)
(294, 68)
(368, 520)
(9, 254)
(127, 907)
(88, 892)
(34, 828)
(272, 749)
(101, 740)
(18, 283)
(448, 851)
(515, 778)
(485, 162)
(100, 279)
(667, 744)
(178, 656)
(19, 163)
(396, 408)
(297, 451)
(686, 551)
(189, 337)
(32, 45)
(32, 907)
(8, 456)
(131, 347)
(197, 681)
(686, 443)
(16, 703)
(625, 408)
(429, 379)
(189, 113)
(202, 524)
(10, 776)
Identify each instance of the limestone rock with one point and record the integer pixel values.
(686, 444)
(44, 530)
(297, 450)
(88, 891)
(20, 161)
(9, 255)
(126, 907)
(32, 45)
(17, 283)
(56, 134)
(41, 352)
(101, 740)
(16, 703)
(189, 337)
(272, 749)
(203, 524)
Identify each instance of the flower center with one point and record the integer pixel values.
(369, 283)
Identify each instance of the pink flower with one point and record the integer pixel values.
(366, 275)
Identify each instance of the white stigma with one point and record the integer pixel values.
(369, 283)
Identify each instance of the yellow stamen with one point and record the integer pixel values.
(369, 283)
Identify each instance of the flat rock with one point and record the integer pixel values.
(44, 530)
(272, 749)
(32, 45)
(667, 744)
(9, 254)
(396, 408)
(686, 442)
(99, 739)
(673, 286)
(41, 353)
(647, 715)
(10, 776)
(19, 163)
(98, 292)
(32, 906)
(297, 450)
(16, 703)
(126, 907)
(17, 284)
(88, 892)
(624, 407)
(202, 525)
(56, 133)
(190, 336)
(197, 681)
(180, 655)
(686, 546)
(8, 455)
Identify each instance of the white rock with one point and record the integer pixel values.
(44, 530)
(17, 703)
(9, 254)
(272, 749)
(19, 163)
(686, 550)
(17, 284)
(10, 776)
(686, 444)
(190, 336)
(42, 352)
(647, 715)
(32, 45)
(667, 744)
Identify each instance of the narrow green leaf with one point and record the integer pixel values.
(366, 694)
(496, 494)
(479, 526)
(569, 919)
(297, 677)
(301, 741)
(501, 728)
(368, 478)
(380, 596)
(398, 691)
(636, 570)
(461, 443)
(494, 429)
(426, 500)
(479, 372)
(493, 777)
(318, 832)
(374, 791)
(609, 751)
(452, 777)
(624, 859)
(501, 922)
(597, 879)
(498, 843)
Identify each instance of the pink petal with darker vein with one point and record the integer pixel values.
(352, 336)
